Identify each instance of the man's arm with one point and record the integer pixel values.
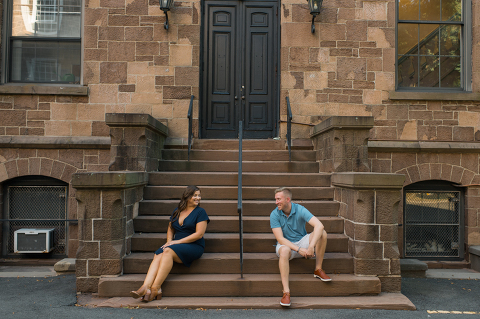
(282, 240)
(318, 229)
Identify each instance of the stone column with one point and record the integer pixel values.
(137, 141)
(107, 204)
(369, 205)
(341, 143)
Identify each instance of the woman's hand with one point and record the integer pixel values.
(172, 242)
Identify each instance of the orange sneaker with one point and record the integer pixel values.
(285, 299)
(319, 273)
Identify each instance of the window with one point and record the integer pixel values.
(432, 45)
(43, 41)
(433, 221)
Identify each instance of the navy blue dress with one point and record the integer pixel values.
(191, 251)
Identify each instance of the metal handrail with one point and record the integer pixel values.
(289, 129)
(239, 201)
(189, 115)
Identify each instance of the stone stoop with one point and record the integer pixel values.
(213, 167)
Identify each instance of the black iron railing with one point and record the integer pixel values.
(239, 201)
(190, 115)
(289, 129)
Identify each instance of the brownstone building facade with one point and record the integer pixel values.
(54, 126)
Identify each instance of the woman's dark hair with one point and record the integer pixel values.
(187, 194)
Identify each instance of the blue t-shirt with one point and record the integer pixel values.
(293, 226)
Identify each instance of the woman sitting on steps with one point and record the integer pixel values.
(185, 243)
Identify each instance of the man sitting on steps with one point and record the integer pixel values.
(288, 225)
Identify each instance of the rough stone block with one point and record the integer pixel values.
(364, 207)
(386, 204)
(368, 250)
(366, 232)
(391, 283)
(372, 267)
(105, 267)
(88, 250)
(87, 284)
(109, 229)
(112, 249)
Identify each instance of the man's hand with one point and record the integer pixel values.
(307, 253)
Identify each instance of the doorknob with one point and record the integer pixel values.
(243, 95)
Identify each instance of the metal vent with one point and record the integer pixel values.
(432, 224)
(38, 207)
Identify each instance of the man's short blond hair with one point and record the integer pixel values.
(286, 191)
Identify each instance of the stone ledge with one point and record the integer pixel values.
(424, 146)
(413, 268)
(368, 180)
(46, 89)
(135, 120)
(475, 257)
(66, 265)
(434, 96)
(55, 142)
(109, 179)
(343, 122)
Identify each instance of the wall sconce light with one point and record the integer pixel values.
(315, 6)
(166, 5)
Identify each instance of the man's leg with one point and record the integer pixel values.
(284, 265)
(320, 247)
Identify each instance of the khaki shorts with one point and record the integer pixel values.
(302, 243)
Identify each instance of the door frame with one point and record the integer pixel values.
(275, 95)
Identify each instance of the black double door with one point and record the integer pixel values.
(239, 69)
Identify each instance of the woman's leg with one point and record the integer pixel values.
(165, 266)
(149, 278)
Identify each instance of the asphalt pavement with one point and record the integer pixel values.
(440, 295)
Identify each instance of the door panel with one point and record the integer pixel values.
(240, 69)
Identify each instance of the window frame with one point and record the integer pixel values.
(465, 53)
(19, 87)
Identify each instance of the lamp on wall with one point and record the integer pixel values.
(166, 5)
(315, 6)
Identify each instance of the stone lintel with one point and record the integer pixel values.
(55, 142)
(424, 146)
(343, 122)
(368, 180)
(434, 96)
(109, 179)
(46, 89)
(135, 120)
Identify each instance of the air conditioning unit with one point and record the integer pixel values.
(33, 240)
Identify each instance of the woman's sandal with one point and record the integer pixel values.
(152, 294)
(139, 293)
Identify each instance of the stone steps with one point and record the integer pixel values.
(231, 192)
(253, 263)
(229, 207)
(229, 224)
(232, 166)
(230, 179)
(229, 242)
(252, 285)
(232, 155)
(387, 301)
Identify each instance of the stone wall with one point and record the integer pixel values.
(421, 161)
(57, 158)
(369, 205)
(107, 204)
(133, 65)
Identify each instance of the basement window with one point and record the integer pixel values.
(433, 221)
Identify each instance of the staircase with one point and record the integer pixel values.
(213, 167)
